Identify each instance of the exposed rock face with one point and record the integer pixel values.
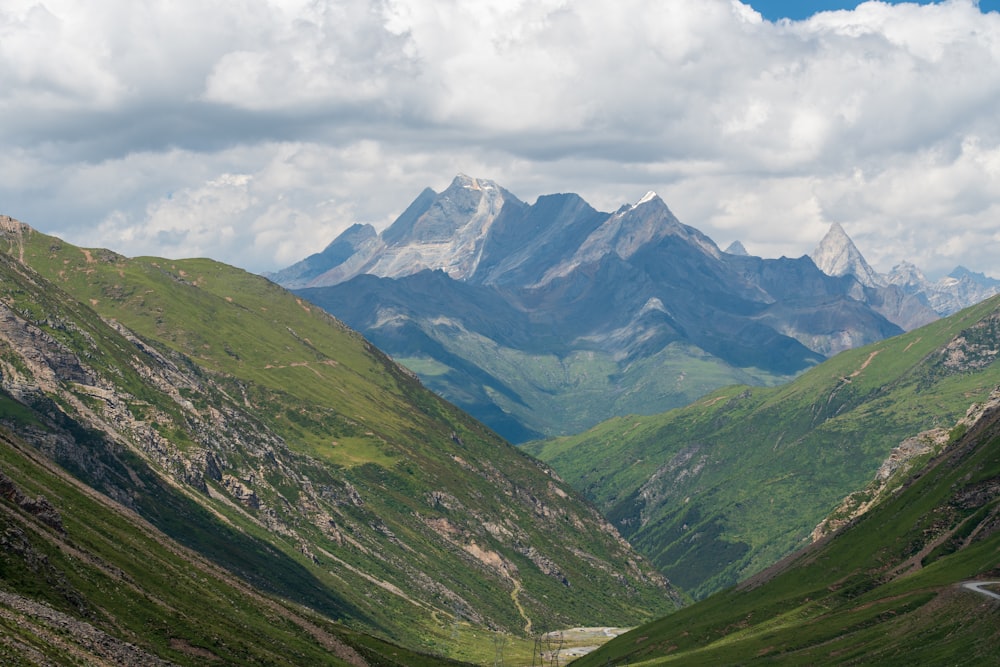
(976, 348)
(959, 289)
(345, 256)
(836, 255)
(897, 466)
(445, 231)
(904, 296)
(88, 642)
(626, 232)
(736, 248)
(38, 507)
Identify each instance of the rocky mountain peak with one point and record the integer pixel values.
(836, 255)
(472, 183)
(465, 209)
(975, 277)
(353, 247)
(736, 248)
(443, 231)
(646, 198)
(906, 274)
(627, 230)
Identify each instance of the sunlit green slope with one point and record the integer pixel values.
(885, 590)
(83, 580)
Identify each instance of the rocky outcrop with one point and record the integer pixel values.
(897, 467)
(38, 507)
(445, 231)
(71, 636)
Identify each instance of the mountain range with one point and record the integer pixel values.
(904, 295)
(190, 416)
(548, 318)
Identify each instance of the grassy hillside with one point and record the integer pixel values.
(723, 488)
(566, 394)
(885, 590)
(258, 431)
(85, 580)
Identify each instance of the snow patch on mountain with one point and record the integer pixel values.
(648, 197)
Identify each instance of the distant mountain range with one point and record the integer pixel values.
(903, 295)
(548, 318)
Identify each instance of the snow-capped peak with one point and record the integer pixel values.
(648, 197)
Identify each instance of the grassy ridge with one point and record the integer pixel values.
(549, 393)
(884, 590)
(718, 490)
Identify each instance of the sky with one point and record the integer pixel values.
(774, 10)
(255, 131)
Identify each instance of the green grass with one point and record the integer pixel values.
(728, 485)
(114, 571)
(861, 597)
(259, 432)
(564, 395)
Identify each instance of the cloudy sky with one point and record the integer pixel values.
(254, 131)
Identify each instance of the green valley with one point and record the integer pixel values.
(887, 589)
(715, 492)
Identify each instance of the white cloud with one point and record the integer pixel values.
(254, 131)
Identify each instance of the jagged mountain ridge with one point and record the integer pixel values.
(957, 290)
(904, 295)
(263, 434)
(444, 231)
(592, 314)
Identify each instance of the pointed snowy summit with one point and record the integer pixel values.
(648, 197)
(836, 255)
